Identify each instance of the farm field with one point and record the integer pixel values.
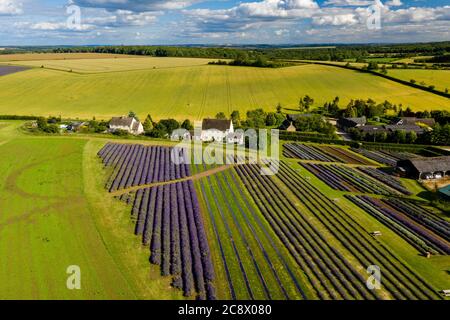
(172, 92)
(438, 78)
(54, 214)
(141, 228)
(61, 56)
(107, 64)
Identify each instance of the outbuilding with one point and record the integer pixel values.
(425, 168)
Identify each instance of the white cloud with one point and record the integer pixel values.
(10, 7)
(336, 20)
(417, 14)
(349, 3)
(136, 5)
(60, 26)
(394, 3)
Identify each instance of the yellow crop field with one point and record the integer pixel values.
(113, 64)
(180, 89)
(438, 78)
(61, 56)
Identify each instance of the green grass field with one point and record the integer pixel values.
(438, 78)
(181, 89)
(54, 214)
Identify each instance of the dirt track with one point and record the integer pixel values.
(193, 177)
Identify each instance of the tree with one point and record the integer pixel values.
(170, 125)
(307, 102)
(383, 69)
(148, 124)
(279, 108)
(236, 118)
(256, 118)
(41, 123)
(411, 137)
(187, 125)
(372, 65)
(399, 136)
(132, 114)
(350, 112)
(271, 120)
(221, 116)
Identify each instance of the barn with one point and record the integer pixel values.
(425, 168)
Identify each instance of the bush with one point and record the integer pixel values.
(120, 133)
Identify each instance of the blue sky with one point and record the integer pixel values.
(47, 22)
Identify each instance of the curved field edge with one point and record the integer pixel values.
(112, 218)
(196, 91)
(46, 225)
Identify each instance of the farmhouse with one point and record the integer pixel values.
(128, 124)
(220, 130)
(425, 168)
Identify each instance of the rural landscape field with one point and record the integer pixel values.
(236, 157)
(187, 88)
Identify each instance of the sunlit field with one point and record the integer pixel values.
(188, 88)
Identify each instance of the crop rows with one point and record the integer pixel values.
(344, 156)
(379, 156)
(329, 273)
(347, 179)
(439, 225)
(135, 165)
(409, 227)
(321, 153)
(255, 265)
(400, 281)
(307, 152)
(385, 178)
(169, 221)
(389, 158)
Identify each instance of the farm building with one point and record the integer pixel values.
(220, 130)
(75, 126)
(288, 123)
(371, 129)
(425, 168)
(411, 121)
(129, 124)
(347, 123)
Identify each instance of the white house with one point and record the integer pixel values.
(129, 124)
(220, 130)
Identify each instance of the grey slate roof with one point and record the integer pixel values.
(431, 164)
(406, 128)
(413, 121)
(121, 121)
(218, 124)
(356, 121)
